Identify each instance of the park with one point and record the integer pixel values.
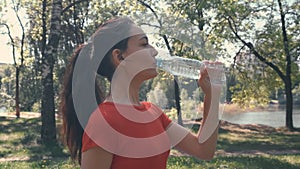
(257, 41)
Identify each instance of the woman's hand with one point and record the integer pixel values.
(204, 81)
(208, 75)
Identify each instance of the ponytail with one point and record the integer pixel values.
(72, 129)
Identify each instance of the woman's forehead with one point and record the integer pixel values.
(139, 37)
(135, 30)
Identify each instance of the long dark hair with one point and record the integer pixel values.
(72, 128)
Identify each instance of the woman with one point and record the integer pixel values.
(119, 131)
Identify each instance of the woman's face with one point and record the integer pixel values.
(140, 56)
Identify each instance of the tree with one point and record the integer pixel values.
(274, 43)
(17, 45)
(75, 19)
(48, 130)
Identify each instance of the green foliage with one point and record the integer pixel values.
(198, 16)
(251, 89)
(157, 96)
(167, 85)
(162, 94)
(7, 87)
(189, 106)
(31, 89)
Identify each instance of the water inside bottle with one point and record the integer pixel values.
(180, 66)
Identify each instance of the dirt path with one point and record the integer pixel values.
(26, 115)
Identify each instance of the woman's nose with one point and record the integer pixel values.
(154, 51)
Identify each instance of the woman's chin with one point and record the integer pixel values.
(148, 74)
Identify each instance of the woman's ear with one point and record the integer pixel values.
(117, 56)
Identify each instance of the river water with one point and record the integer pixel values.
(275, 118)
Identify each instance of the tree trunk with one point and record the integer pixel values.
(288, 80)
(289, 105)
(177, 101)
(48, 130)
(17, 98)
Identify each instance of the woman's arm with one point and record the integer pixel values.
(203, 145)
(96, 158)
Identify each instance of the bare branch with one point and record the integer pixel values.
(148, 24)
(16, 9)
(152, 10)
(256, 54)
(160, 24)
(12, 42)
(72, 4)
(285, 41)
(293, 13)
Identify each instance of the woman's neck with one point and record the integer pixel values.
(119, 94)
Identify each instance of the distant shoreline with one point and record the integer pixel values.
(235, 108)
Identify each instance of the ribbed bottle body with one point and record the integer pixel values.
(190, 68)
(179, 66)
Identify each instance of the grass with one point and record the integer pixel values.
(47, 164)
(260, 142)
(20, 148)
(237, 162)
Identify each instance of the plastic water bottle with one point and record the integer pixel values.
(190, 68)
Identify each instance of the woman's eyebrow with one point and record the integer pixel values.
(144, 38)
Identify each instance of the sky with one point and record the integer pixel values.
(6, 50)
(5, 56)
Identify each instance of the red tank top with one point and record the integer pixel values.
(120, 129)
